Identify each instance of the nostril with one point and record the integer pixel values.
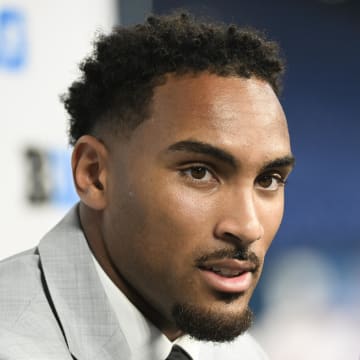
(230, 236)
(243, 228)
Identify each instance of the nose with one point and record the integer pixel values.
(239, 220)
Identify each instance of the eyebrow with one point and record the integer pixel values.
(203, 148)
(282, 162)
(199, 147)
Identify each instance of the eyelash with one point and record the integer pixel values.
(186, 173)
(281, 181)
(279, 178)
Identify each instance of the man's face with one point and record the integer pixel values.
(195, 197)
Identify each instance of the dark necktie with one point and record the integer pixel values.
(177, 353)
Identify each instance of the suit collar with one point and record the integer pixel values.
(88, 321)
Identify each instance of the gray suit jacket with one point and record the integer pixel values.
(53, 306)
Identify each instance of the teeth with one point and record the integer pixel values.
(225, 272)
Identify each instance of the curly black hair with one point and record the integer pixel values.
(118, 79)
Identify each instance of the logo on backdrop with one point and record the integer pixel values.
(49, 178)
(13, 39)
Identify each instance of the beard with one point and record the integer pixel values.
(211, 326)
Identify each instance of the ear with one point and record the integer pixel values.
(89, 168)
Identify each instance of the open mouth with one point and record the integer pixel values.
(226, 272)
(228, 275)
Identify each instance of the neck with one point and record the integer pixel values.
(91, 224)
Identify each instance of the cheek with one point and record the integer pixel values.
(161, 212)
(184, 207)
(170, 224)
(177, 222)
(180, 217)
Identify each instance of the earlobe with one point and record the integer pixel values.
(89, 169)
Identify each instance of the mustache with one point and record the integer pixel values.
(238, 254)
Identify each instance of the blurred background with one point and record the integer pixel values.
(307, 303)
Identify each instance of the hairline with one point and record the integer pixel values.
(111, 124)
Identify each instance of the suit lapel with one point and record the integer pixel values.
(89, 323)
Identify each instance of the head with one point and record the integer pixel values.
(181, 153)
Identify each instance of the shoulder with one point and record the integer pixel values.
(20, 281)
(243, 347)
(25, 313)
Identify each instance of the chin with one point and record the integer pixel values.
(221, 323)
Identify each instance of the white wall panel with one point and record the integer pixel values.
(41, 45)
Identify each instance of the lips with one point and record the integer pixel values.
(228, 275)
(225, 271)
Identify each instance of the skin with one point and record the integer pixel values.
(150, 208)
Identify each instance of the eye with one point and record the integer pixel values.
(198, 174)
(270, 182)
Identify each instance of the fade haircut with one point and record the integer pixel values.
(117, 81)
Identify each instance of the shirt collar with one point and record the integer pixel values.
(144, 339)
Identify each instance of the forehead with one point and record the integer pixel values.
(215, 95)
(231, 113)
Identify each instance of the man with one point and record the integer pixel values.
(181, 153)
